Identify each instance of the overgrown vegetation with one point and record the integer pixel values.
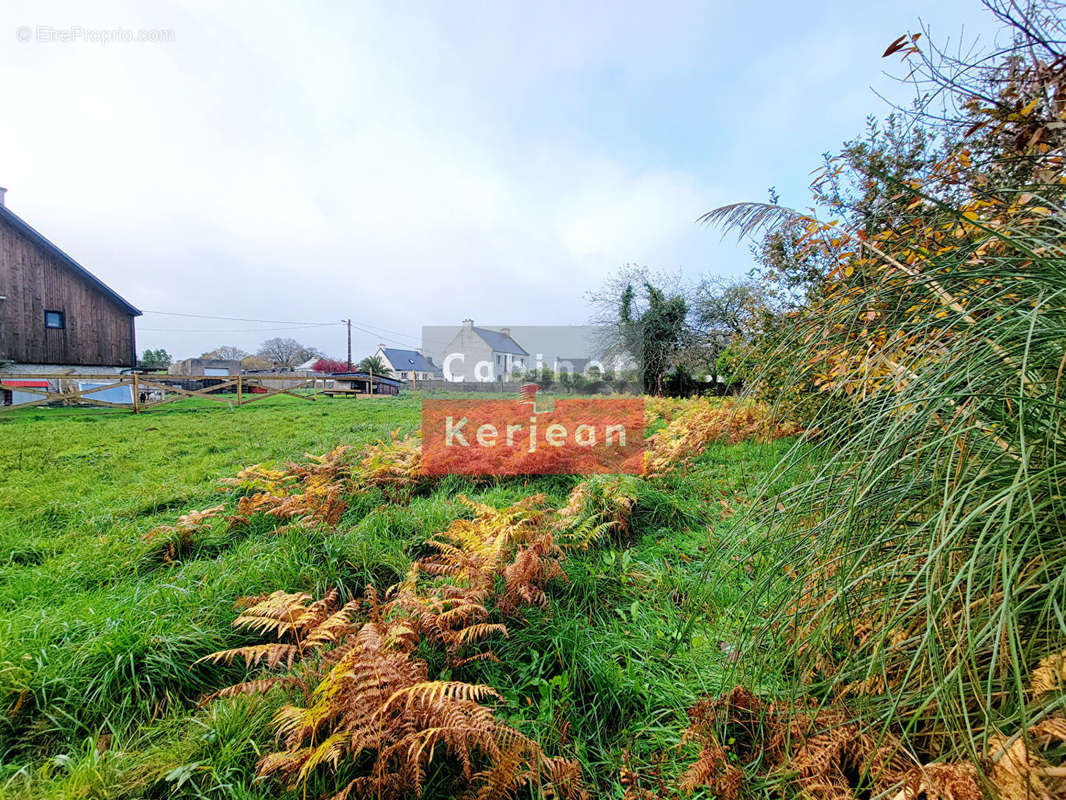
(117, 598)
(917, 607)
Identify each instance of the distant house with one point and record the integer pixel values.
(55, 315)
(572, 349)
(574, 366)
(206, 367)
(479, 355)
(408, 364)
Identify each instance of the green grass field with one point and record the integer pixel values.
(98, 692)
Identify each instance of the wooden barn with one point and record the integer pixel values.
(54, 313)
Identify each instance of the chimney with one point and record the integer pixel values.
(381, 345)
(505, 331)
(3, 191)
(468, 324)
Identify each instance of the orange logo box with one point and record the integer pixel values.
(576, 436)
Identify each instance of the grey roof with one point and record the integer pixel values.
(500, 342)
(26, 230)
(551, 342)
(409, 360)
(577, 365)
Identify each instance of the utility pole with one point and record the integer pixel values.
(348, 322)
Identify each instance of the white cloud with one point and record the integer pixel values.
(408, 164)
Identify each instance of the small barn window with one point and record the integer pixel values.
(55, 319)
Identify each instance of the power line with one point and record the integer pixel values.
(242, 319)
(386, 330)
(383, 336)
(367, 328)
(232, 330)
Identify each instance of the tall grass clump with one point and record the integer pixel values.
(920, 592)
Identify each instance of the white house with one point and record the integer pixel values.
(479, 355)
(408, 364)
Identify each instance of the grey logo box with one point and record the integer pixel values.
(474, 353)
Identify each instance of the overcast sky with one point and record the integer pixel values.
(410, 163)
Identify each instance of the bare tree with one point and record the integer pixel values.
(286, 353)
(227, 352)
(727, 307)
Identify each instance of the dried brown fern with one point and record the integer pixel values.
(826, 756)
(372, 695)
(395, 465)
(376, 698)
(1049, 675)
(472, 552)
(452, 616)
(299, 627)
(705, 421)
(314, 491)
(1017, 766)
(529, 572)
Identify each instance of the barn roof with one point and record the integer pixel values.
(28, 231)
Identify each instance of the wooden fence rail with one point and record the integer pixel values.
(151, 391)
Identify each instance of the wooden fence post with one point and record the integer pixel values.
(240, 392)
(136, 396)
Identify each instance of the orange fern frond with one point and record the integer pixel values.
(437, 691)
(273, 654)
(476, 633)
(260, 686)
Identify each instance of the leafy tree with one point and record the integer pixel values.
(726, 316)
(155, 359)
(653, 329)
(672, 328)
(375, 364)
(286, 353)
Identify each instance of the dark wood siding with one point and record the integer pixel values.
(98, 331)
